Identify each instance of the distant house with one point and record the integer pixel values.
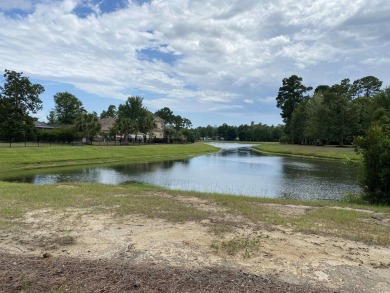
(107, 124)
(44, 126)
(158, 132)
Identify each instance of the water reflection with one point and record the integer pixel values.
(234, 170)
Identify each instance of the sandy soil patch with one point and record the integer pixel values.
(337, 264)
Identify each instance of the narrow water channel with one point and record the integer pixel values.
(236, 169)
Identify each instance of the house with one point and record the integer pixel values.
(44, 126)
(107, 124)
(158, 132)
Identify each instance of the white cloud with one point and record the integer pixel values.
(207, 54)
(225, 107)
(377, 61)
(16, 4)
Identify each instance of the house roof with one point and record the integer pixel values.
(107, 123)
(158, 119)
(43, 125)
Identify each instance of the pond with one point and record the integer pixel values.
(236, 169)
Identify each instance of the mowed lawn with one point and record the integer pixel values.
(23, 158)
(328, 151)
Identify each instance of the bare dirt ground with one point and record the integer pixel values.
(81, 251)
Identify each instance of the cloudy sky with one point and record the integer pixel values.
(210, 61)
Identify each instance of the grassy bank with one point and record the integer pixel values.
(357, 222)
(365, 223)
(326, 152)
(12, 159)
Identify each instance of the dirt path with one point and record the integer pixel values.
(89, 252)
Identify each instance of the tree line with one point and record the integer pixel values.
(19, 99)
(356, 113)
(333, 113)
(244, 132)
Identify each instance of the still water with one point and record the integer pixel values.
(234, 170)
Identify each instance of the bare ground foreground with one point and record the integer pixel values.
(79, 250)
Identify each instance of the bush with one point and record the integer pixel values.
(160, 140)
(61, 135)
(375, 148)
(285, 139)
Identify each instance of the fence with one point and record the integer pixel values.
(20, 144)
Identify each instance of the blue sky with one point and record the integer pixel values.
(212, 61)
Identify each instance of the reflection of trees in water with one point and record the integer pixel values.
(312, 179)
(170, 164)
(241, 152)
(184, 161)
(246, 171)
(137, 167)
(149, 167)
(167, 164)
(323, 171)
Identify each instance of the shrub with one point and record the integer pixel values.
(375, 148)
(62, 135)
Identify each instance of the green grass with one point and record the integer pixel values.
(326, 152)
(12, 159)
(18, 198)
(245, 245)
(322, 218)
(340, 219)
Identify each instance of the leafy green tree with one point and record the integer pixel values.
(299, 122)
(133, 110)
(317, 119)
(67, 108)
(207, 132)
(244, 132)
(148, 123)
(260, 132)
(341, 112)
(166, 114)
(186, 123)
(228, 132)
(51, 118)
(382, 99)
(321, 89)
(276, 132)
(367, 86)
(111, 112)
(175, 125)
(290, 95)
(170, 132)
(88, 124)
(375, 148)
(124, 126)
(18, 98)
(365, 109)
(178, 122)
